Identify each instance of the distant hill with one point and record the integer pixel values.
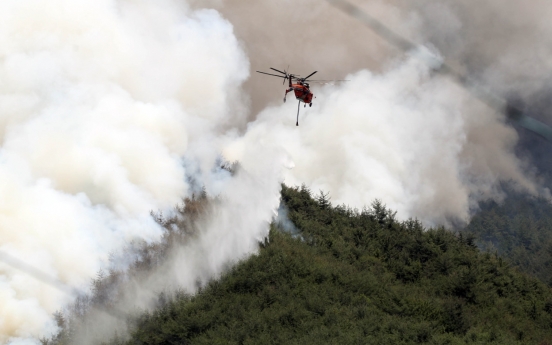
(362, 277)
(518, 229)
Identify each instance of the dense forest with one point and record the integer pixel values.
(361, 277)
(331, 274)
(518, 229)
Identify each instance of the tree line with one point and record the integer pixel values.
(358, 277)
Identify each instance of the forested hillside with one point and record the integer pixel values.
(358, 277)
(519, 229)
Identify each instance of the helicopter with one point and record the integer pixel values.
(300, 86)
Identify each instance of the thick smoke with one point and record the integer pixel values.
(100, 101)
(230, 230)
(504, 43)
(415, 141)
(447, 151)
(305, 35)
(110, 109)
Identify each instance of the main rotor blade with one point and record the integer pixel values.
(274, 69)
(284, 81)
(274, 75)
(331, 82)
(310, 75)
(326, 81)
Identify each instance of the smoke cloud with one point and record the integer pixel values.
(110, 109)
(229, 230)
(100, 102)
(415, 141)
(503, 44)
(447, 151)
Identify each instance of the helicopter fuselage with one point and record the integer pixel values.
(302, 92)
(300, 88)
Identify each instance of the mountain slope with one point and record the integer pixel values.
(361, 277)
(519, 229)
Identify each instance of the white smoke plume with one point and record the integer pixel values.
(507, 43)
(112, 108)
(229, 231)
(397, 131)
(504, 43)
(416, 141)
(99, 103)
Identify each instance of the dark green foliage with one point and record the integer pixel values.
(358, 277)
(519, 229)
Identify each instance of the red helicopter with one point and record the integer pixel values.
(300, 87)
